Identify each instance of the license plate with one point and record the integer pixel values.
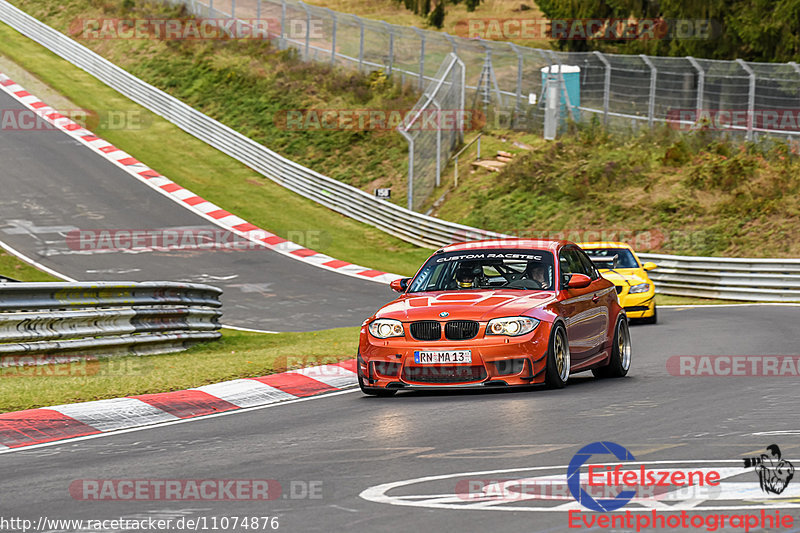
(442, 356)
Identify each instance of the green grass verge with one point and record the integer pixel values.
(662, 191)
(215, 176)
(237, 355)
(16, 269)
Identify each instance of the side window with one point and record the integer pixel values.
(588, 266)
(571, 262)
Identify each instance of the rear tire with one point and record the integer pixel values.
(620, 361)
(558, 359)
(374, 391)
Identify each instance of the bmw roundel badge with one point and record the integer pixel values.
(444, 314)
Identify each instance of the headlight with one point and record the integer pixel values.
(512, 326)
(384, 328)
(641, 287)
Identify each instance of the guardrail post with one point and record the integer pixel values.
(391, 47)
(333, 37)
(606, 86)
(651, 105)
(361, 45)
(701, 86)
(751, 98)
(421, 57)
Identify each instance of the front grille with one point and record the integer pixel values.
(459, 330)
(426, 330)
(619, 288)
(444, 374)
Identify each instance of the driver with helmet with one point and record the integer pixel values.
(467, 276)
(538, 272)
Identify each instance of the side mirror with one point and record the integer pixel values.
(649, 265)
(399, 285)
(578, 281)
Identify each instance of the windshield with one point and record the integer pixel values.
(486, 269)
(625, 258)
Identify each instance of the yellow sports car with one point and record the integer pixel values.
(617, 262)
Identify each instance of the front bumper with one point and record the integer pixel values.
(497, 361)
(638, 305)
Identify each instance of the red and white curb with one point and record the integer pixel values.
(38, 426)
(185, 197)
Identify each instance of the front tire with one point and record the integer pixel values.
(620, 361)
(558, 359)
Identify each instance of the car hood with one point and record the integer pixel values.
(479, 305)
(625, 276)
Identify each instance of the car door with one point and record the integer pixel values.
(577, 307)
(603, 296)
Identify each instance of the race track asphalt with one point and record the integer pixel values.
(50, 184)
(350, 442)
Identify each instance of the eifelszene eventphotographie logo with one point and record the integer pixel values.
(774, 472)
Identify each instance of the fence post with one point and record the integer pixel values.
(410, 194)
(651, 106)
(421, 57)
(518, 96)
(390, 29)
(452, 42)
(606, 86)
(751, 98)
(701, 86)
(438, 141)
(308, 31)
(258, 11)
(210, 8)
(562, 81)
(462, 100)
(361, 44)
(795, 67)
(233, 9)
(282, 41)
(333, 37)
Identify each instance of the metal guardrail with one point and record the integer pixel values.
(726, 278)
(686, 276)
(102, 319)
(402, 223)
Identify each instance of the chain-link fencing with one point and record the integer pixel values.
(508, 82)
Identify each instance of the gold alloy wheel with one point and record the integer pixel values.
(561, 352)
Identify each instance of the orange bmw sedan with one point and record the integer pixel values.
(497, 313)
